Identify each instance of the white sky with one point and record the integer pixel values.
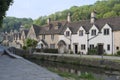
(36, 8)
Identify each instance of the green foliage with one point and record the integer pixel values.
(72, 76)
(87, 76)
(4, 5)
(50, 50)
(47, 50)
(24, 47)
(110, 14)
(104, 9)
(30, 43)
(15, 23)
(92, 52)
(71, 52)
(40, 21)
(118, 53)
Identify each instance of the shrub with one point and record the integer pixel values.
(50, 50)
(71, 52)
(47, 50)
(92, 52)
(24, 47)
(118, 53)
(38, 50)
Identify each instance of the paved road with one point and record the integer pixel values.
(83, 56)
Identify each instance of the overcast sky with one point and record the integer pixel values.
(36, 8)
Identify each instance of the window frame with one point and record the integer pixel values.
(52, 46)
(81, 32)
(108, 47)
(67, 33)
(83, 46)
(93, 32)
(92, 46)
(106, 31)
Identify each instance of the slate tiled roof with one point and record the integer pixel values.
(114, 23)
(37, 29)
(26, 32)
(53, 28)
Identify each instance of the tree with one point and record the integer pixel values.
(116, 8)
(4, 5)
(30, 43)
(109, 14)
(15, 23)
(40, 21)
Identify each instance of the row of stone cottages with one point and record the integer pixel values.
(103, 34)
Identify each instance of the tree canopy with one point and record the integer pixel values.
(4, 5)
(104, 9)
(15, 23)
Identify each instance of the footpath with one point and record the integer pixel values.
(13, 67)
(82, 56)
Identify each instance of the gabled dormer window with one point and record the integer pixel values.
(106, 31)
(81, 33)
(93, 32)
(67, 33)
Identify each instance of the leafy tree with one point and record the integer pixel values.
(104, 9)
(30, 43)
(15, 23)
(116, 8)
(40, 21)
(109, 14)
(4, 5)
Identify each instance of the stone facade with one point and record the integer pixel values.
(116, 40)
(51, 40)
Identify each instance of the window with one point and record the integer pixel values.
(108, 47)
(52, 37)
(67, 33)
(82, 46)
(93, 32)
(69, 46)
(52, 46)
(106, 31)
(92, 46)
(117, 48)
(81, 33)
(43, 36)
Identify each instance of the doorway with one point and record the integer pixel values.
(100, 49)
(76, 48)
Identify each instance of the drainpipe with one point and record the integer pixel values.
(112, 42)
(87, 43)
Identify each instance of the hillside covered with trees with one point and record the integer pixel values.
(15, 23)
(104, 9)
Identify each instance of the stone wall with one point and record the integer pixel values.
(98, 63)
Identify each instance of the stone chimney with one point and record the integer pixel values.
(48, 21)
(93, 17)
(68, 18)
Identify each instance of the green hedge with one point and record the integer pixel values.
(92, 52)
(47, 50)
(118, 53)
